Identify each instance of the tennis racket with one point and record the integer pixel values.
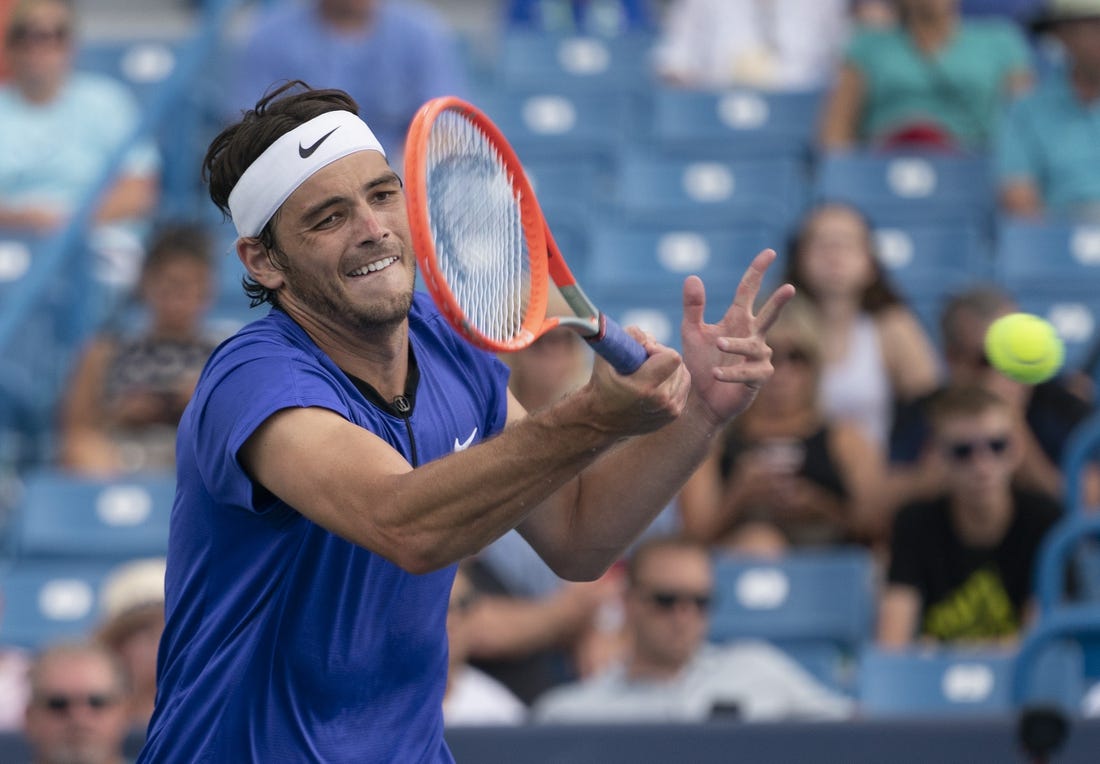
(482, 243)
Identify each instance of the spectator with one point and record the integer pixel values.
(961, 564)
(876, 352)
(775, 45)
(1048, 147)
(14, 662)
(936, 81)
(132, 604)
(783, 463)
(77, 708)
(389, 56)
(605, 18)
(472, 697)
(670, 673)
(1045, 414)
(130, 386)
(68, 125)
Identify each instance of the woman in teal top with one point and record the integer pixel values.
(934, 81)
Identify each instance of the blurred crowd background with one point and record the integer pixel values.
(894, 529)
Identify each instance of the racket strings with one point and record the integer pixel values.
(476, 222)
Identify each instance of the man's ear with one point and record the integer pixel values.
(257, 261)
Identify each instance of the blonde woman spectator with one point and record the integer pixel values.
(783, 465)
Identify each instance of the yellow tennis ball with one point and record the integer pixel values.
(1024, 347)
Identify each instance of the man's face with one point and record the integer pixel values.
(345, 235)
(980, 452)
(77, 712)
(668, 605)
(967, 362)
(40, 46)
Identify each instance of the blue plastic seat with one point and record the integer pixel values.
(536, 60)
(1054, 260)
(663, 190)
(629, 257)
(45, 601)
(63, 516)
(552, 125)
(144, 64)
(956, 681)
(816, 605)
(909, 189)
(736, 124)
(926, 262)
(1074, 316)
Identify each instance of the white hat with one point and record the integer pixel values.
(132, 585)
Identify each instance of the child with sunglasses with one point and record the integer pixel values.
(961, 564)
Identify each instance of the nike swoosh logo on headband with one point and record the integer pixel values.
(306, 153)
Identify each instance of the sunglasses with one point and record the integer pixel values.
(963, 451)
(669, 601)
(25, 34)
(793, 356)
(60, 704)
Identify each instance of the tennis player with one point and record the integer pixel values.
(341, 455)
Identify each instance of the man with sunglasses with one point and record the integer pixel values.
(77, 711)
(961, 564)
(670, 673)
(60, 128)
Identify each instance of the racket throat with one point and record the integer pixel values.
(586, 319)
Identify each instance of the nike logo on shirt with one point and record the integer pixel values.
(306, 153)
(469, 440)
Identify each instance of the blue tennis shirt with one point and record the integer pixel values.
(284, 642)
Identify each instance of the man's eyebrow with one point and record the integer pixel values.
(382, 180)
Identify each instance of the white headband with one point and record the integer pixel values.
(290, 161)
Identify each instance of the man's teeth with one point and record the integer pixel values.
(377, 265)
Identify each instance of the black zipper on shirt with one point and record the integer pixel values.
(401, 406)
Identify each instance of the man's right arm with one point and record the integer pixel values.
(351, 482)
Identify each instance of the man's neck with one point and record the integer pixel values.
(982, 522)
(379, 357)
(348, 21)
(641, 669)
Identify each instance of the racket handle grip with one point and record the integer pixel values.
(621, 350)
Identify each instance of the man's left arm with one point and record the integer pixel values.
(584, 527)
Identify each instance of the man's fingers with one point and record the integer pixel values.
(771, 309)
(695, 300)
(750, 284)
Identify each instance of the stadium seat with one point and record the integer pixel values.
(50, 600)
(926, 262)
(1073, 314)
(535, 60)
(909, 189)
(551, 125)
(62, 516)
(631, 257)
(953, 682)
(143, 64)
(735, 124)
(661, 190)
(816, 605)
(1050, 666)
(1051, 259)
